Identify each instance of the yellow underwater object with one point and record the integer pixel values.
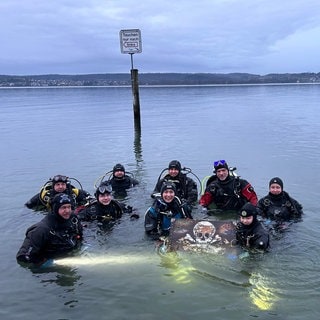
(182, 274)
(173, 262)
(261, 294)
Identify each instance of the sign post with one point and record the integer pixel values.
(130, 43)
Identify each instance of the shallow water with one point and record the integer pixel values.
(264, 131)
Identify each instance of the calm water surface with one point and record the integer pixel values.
(264, 131)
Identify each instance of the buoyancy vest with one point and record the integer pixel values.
(253, 236)
(47, 193)
(186, 188)
(279, 207)
(167, 211)
(227, 194)
(121, 184)
(102, 213)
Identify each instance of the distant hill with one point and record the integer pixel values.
(123, 79)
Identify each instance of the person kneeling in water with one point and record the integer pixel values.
(121, 181)
(58, 233)
(105, 209)
(226, 191)
(278, 206)
(57, 184)
(166, 206)
(250, 233)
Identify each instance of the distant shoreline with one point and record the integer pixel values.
(156, 79)
(162, 86)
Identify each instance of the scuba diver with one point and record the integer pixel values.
(58, 184)
(186, 188)
(105, 210)
(58, 233)
(227, 191)
(278, 206)
(250, 233)
(166, 206)
(120, 180)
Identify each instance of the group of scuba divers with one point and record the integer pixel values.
(175, 195)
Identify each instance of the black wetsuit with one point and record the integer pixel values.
(101, 213)
(53, 236)
(229, 194)
(186, 188)
(158, 217)
(279, 207)
(121, 185)
(254, 236)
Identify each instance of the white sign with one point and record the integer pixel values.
(130, 41)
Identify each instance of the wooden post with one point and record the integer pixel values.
(130, 42)
(135, 93)
(137, 142)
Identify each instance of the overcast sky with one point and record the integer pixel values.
(211, 36)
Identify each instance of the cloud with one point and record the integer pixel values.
(70, 37)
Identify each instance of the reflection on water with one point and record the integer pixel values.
(64, 277)
(219, 270)
(261, 293)
(264, 131)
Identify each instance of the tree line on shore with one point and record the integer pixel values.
(124, 79)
